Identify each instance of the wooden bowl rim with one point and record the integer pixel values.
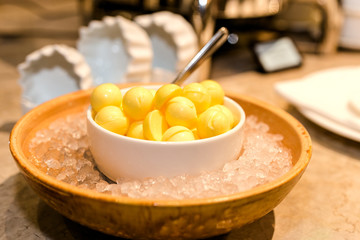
(65, 188)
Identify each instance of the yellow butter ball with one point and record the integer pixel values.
(113, 119)
(136, 130)
(198, 94)
(93, 113)
(180, 111)
(213, 122)
(137, 103)
(215, 90)
(195, 133)
(228, 114)
(165, 93)
(178, 134)
(153, 92)
(154, 125)
(107, 94)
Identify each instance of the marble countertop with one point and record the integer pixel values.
(323, 205)
(325, 202)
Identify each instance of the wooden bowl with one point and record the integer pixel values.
(159, 219)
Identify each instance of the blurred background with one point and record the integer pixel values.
(315, 25)
(326, 35)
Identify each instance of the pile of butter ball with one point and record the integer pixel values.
(171, 113)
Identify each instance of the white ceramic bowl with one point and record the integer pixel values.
(119, 156)
(351, 5)
(349, 37)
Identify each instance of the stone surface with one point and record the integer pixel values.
(323, 205)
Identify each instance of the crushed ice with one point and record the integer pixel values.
(62, 151)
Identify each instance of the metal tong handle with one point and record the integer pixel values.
(210, 47)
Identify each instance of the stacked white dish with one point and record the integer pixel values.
(350, 34)
(153, 48)
(51, 71)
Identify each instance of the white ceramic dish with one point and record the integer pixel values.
(350, 35)
(120, 156)
(51, 71)
(118, 50)
(351, 5)
(173, 40)
(324, 98)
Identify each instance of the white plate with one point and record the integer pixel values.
(330, 125)
(324, 97)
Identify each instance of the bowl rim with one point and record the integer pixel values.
(27, 167)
